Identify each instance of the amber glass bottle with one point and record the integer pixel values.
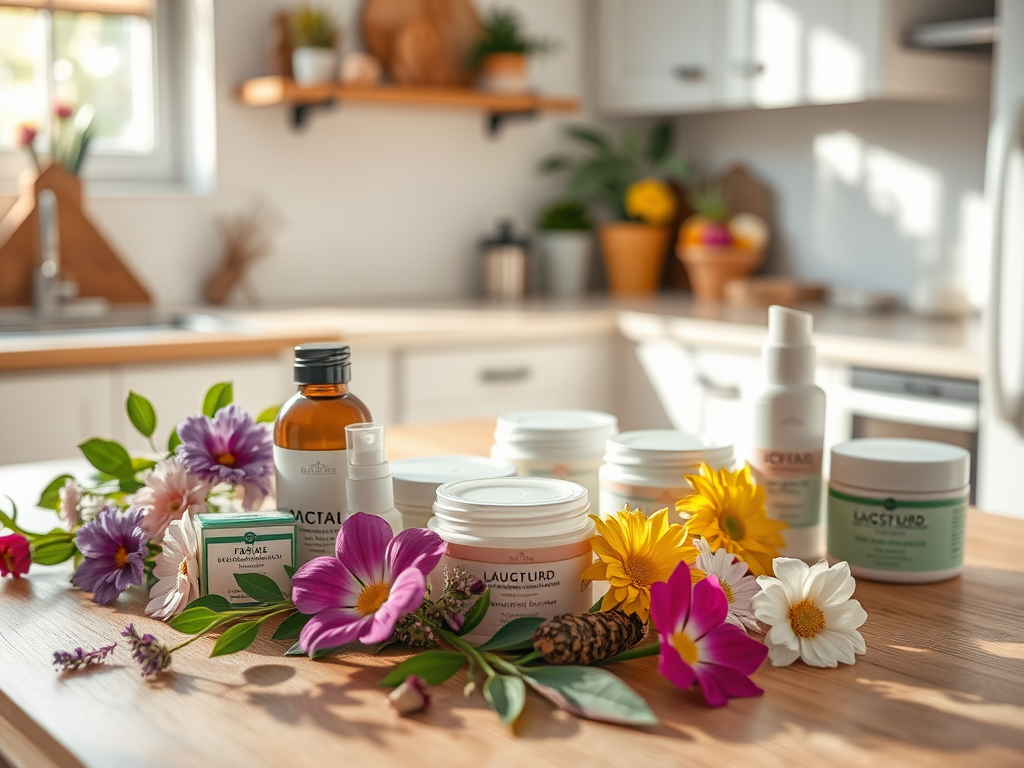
(309, 446)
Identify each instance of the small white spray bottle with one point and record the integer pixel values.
(789, 433)
(368, 479)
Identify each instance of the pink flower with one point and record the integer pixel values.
(370, 585)
(15, 557)
(697, 645)
(169, 491)
(63, 110)
(27, 135)
(70, 496)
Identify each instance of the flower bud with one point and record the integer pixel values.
(26, 134)
(477, 587)
(411, 696)
(63, 110)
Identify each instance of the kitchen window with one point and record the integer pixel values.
(127, 58)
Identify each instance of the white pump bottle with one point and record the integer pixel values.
(368, 483)
(789, 433)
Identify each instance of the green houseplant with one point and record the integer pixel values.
(314, 35)
(628, 178)
(565, 246)
(501, 52)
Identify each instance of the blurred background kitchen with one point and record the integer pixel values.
(467, 192)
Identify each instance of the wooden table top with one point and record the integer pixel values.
(942, 684)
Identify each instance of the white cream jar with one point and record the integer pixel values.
(527, 538)
(897, 509)
(416, 481)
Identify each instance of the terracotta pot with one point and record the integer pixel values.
(504, 73)
(710, 267)
(633, 255)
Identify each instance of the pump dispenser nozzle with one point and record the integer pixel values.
(368, 483)
(788, 352)
(366, 444)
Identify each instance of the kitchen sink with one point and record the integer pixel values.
(24, 322)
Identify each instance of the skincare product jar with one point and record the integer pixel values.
(416, 481)
(563, 443)
(527, 538)
(897, 508)
(646, 469)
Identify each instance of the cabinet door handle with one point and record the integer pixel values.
(721, 391)
(748, 68)
(691, 73)
(504, 375)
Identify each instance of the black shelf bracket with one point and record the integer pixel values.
(495, 120)
(300, 112)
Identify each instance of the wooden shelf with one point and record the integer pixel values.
(269, 91)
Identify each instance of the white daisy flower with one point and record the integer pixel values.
(177, 571)
(810, 613)
(735, 580)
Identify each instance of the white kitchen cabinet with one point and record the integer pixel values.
(176, 390)
(777, 53)
(46, 414)
(484, 382)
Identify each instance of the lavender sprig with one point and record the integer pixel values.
(152, 655)
(79, 659)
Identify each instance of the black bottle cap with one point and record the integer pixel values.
(324, 362)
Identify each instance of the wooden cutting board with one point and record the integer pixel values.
(423, 42)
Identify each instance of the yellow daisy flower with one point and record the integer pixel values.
(633, 552)
(650, 201)
(727, 510)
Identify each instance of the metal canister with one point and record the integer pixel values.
(503, 265)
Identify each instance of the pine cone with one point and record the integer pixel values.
(587, 638)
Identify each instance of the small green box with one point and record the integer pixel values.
(243, 542)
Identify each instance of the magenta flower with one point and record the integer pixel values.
(15, 557)
(229, 448)
(370, 585)
(115, 550)
(697, 645)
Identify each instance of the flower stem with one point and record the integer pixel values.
(531, 656)
(469, 651)
(637, 652)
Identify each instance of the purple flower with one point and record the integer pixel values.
(150, 653)
(373, 582)
(229, 448)
(77, 659)
(114, 547)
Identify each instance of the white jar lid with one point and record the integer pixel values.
(667, 448)
(892, 464)
(416, 480)
(547, 427)
(482, 511)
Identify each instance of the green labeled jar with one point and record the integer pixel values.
(897, 509)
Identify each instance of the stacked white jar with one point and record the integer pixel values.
(646, 469)
(416, 481)
(897, 509)
(527, 538)
(561, 443)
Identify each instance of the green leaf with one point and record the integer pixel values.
(268, 415)
(660, 142)
(215, 603)
(514, 636)
(295, 650)
(506, 695)
(129, 485)
(290, 570)
(141, 414)
(53, 548)
(555, 163)
(173, 441)
(109, 457)
(433, 666)
(590, 137)
(476, 614)
(320, 653)
(218, 396)
(196, 620)
(49, 498)
(589, 692)
(139, 464)
(596, 607)
(236, 638)
(260, 587)
(675, 167)
(291, 626)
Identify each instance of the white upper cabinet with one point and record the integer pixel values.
(671, 56)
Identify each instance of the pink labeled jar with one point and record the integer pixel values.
(527, 538)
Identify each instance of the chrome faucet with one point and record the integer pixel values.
(48, 291)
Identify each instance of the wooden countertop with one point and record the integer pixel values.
(942, 684)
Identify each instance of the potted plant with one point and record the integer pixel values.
(629, 180)
(715, 247)
(500, 55)
(314, 35)
(565, 244)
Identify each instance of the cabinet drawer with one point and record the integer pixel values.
(486, 381)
